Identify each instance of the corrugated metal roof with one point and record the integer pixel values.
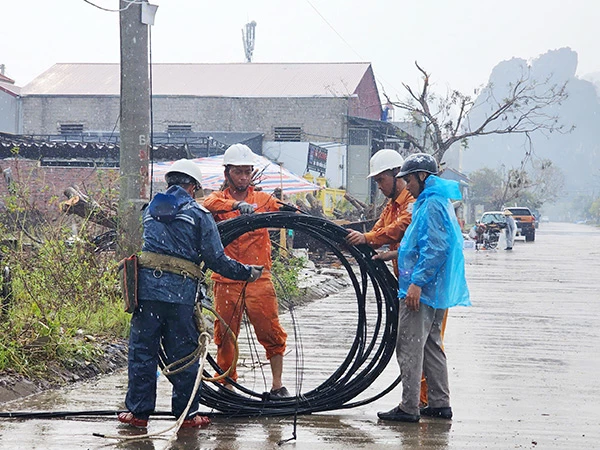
(208, 80)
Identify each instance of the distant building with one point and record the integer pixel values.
(9, 104)
(291, 102)
(282, 102)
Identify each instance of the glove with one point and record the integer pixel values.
(255, 273)
(289, 208)
(245, 208)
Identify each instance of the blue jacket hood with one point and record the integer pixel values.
(436, 186)
(164, 207)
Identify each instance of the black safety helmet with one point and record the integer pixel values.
(418, 162)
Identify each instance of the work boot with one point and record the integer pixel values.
(279, 394)
(442, 413)
(398, 415)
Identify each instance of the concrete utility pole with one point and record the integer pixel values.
(135, 127)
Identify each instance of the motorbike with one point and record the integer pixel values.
(486, 235)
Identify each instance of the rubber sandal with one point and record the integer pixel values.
(196, 421)
(130, 419)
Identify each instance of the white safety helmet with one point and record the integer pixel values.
(384, 160)
(186, 167)
(238, 155)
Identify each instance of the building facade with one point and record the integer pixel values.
(298, 102)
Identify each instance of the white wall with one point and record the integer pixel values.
(8, 113)
(294, 155)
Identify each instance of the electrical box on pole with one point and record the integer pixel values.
(135, 127)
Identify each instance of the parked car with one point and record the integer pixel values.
(525, 222)
(493, 216)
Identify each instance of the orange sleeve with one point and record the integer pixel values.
(253, 247)
(217, 203)
(393, 222)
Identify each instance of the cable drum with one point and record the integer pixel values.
(373, 343)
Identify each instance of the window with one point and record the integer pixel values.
(179, 129)
(288, 134)
(358, 136)
(70, 128)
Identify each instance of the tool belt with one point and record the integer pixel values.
(128, 268)
(172, 264)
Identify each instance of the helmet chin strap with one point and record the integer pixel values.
(232, 184)
(421, 182)
(394, 189)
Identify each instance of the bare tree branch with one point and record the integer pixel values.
(526, 108)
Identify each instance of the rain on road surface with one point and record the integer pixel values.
(523, 363)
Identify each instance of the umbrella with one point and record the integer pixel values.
(271, 176)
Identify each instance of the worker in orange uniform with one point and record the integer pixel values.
(233, 297)
(394, 219)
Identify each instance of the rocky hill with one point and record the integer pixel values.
(576, 153)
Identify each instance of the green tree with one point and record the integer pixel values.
(485, 184)
(495, 189)
(594, 210)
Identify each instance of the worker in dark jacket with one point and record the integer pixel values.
(177, 232)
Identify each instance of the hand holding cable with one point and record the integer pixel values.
(244, 208)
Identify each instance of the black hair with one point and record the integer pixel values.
(179, 179)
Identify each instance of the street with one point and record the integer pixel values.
(523, 362)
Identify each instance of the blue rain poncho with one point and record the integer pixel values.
(431, 251)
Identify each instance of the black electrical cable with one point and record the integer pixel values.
(373, 344)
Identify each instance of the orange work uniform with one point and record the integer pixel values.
(392, 224)
(232, 297)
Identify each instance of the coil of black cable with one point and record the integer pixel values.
(372, 347)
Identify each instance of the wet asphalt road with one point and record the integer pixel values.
(523, 364)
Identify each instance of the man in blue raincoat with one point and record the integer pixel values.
(178, 235)
(431, 279)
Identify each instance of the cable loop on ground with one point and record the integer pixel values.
(373, 344)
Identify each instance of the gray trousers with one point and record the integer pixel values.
(419, 350)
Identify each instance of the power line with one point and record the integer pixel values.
(378, 79)
(129, 3)
(334, 30)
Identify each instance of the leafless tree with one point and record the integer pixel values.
(526, 107)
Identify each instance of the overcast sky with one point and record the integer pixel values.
(458, 41)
